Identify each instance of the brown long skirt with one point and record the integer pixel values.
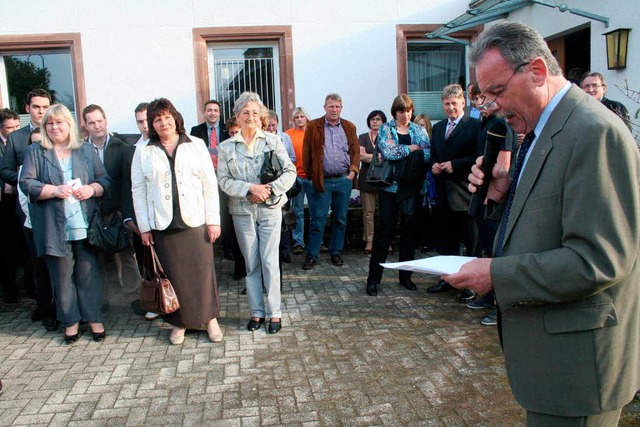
(187, 258)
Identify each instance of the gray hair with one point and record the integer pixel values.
(333, 97)
(593, 74)
(454, 90)
(273, 115)
(244, 99)
(518, 44)
(300, 110)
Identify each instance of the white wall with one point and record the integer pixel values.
(135, 50)
(621, 14)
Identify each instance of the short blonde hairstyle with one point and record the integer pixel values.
(454, 90)
(60, 112)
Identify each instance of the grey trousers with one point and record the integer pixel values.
(606, 419)
(77, 284)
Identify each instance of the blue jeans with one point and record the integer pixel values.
(259, 237)
(298, 208)
(336, 196)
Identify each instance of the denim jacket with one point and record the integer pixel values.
(239, 168)
(394, 151)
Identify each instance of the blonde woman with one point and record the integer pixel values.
(62, 177)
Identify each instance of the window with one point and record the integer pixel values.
(49, 61)
(256, 58)
(431, 67)
(47, 70)
(238, 68)
(426, 67)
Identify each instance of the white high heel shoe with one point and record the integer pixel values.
(214, 331)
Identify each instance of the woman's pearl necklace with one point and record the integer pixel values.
(170, 145)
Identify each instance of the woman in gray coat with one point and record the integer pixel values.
(256, 208)
(62, 177)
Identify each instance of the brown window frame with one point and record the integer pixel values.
(202, 37)
(44, 42)
(412, 32)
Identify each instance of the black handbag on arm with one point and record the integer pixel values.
(380, 171)
(270, 171)
(108, 237)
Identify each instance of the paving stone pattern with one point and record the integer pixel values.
(342, 358)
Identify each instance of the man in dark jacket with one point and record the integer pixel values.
(115, 154)
(593, 83)
(37, 103)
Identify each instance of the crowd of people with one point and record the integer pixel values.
(426, 204)
(556, 240)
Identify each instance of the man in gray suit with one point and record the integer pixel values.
(566, 265)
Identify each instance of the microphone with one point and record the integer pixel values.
(495, 138)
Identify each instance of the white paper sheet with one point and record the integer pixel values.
(433, 265)
(75, 184)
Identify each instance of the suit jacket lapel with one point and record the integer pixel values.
(459, 127)
(539, 153)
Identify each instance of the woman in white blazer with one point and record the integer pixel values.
(175, 197)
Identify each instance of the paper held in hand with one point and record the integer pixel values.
(435, 265)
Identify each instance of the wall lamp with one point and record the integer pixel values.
(617, 43)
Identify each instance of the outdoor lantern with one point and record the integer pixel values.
(617, 42)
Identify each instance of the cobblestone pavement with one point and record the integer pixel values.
(342, 358)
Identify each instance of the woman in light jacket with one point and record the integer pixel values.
(256, 207)
(175, 196)
(62, 177)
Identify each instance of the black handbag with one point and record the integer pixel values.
(270, 171)
(380, 172)
(108, 237)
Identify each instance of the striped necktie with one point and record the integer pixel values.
(452, 125)
(522, 153)
(213, 145)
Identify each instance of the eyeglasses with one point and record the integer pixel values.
(592, 86)
(493, 105)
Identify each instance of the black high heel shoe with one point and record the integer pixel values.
(254, 325)
(99, 336)
(70, 339)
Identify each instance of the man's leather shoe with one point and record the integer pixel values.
(254, 325)
(372, 289)
(298, 250)
(274, 327)
(466, 295)
(50, 324)
(286, 258)
(135, 306)
(442, 286)
(337, 260)
(36, 315)
(309, 263)
(408, 284)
